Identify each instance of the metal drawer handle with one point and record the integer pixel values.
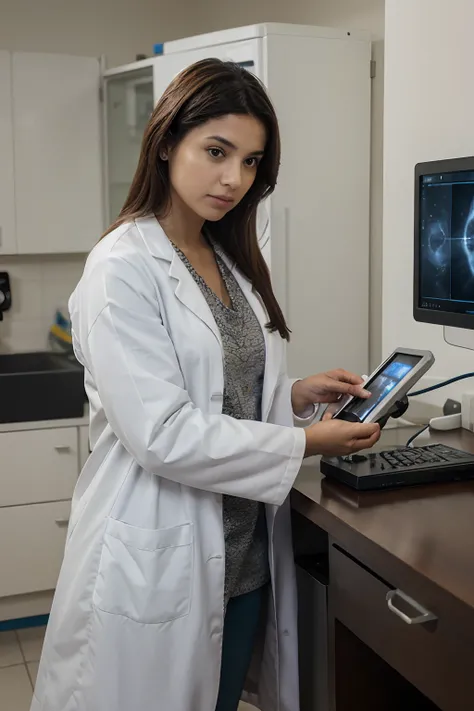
(420, 619)
(62, 522)
(62, 448)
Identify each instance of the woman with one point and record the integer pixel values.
(172, 556)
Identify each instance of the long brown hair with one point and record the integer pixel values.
(204, 91)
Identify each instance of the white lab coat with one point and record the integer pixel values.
(137, 619)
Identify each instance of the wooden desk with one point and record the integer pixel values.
(417, 540)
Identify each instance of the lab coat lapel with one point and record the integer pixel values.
(186, 289)
(190, 295)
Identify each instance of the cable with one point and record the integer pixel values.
(465, 376)
(417, 434)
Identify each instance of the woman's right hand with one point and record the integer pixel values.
(337, 438)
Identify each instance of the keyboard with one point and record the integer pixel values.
(400, 467)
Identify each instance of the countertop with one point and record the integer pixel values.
(428, 529)
(46, 424)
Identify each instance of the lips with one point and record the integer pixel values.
(223, 198)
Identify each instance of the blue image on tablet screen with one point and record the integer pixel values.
(383, 384)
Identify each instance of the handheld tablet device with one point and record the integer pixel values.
(388, 385)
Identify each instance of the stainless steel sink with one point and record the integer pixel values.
(40, 386)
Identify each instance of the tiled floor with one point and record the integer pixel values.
(19, 656)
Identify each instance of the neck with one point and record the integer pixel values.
(182, 226)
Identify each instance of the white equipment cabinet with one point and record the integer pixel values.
(314, 231)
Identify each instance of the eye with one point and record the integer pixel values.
(251, 162)
(215, 152)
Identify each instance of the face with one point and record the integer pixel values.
(215, 165)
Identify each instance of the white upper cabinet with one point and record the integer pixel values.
(57, 153)
(7, 195)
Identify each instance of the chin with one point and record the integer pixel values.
(214, 218)
(213, 215)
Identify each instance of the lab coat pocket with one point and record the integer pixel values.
(145, 575)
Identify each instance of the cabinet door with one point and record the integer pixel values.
(7, 196)
(58, 168)
(33, 539)
(128, 105)
(38, 465)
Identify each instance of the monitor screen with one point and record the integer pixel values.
(444, 243)
(383, 383)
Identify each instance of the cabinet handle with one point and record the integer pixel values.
(62, 448)
(419, 619)
(62, 522)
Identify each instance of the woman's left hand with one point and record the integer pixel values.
(325, 388)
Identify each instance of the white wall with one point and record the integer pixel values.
(357, 14)
(429, 108)
(361, 14)
(120, 29)
(39, 285)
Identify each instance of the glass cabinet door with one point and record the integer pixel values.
(128, 105)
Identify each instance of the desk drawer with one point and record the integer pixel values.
(38, 466)
(32, 547)
(434, 656)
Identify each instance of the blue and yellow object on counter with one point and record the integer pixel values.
(60, 338)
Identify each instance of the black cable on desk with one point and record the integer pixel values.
(417, 434)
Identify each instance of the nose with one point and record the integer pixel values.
(232, 175)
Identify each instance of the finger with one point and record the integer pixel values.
(361, 444)
(336, 388)
(332, 409)
(360, 391)
(365, 431)
(327, 416)
(345, 376)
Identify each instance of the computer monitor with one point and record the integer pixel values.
(444, 248)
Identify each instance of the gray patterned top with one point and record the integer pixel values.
(245, 529)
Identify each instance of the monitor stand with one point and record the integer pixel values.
(461, 338)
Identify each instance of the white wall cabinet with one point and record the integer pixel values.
(7, 194)
(51, 184)
(58, 159)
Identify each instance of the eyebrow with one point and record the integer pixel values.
(229, 144)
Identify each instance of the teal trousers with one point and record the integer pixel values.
(240, 630)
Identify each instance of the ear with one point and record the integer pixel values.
(166, 148)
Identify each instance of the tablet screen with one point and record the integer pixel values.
(383, 383)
